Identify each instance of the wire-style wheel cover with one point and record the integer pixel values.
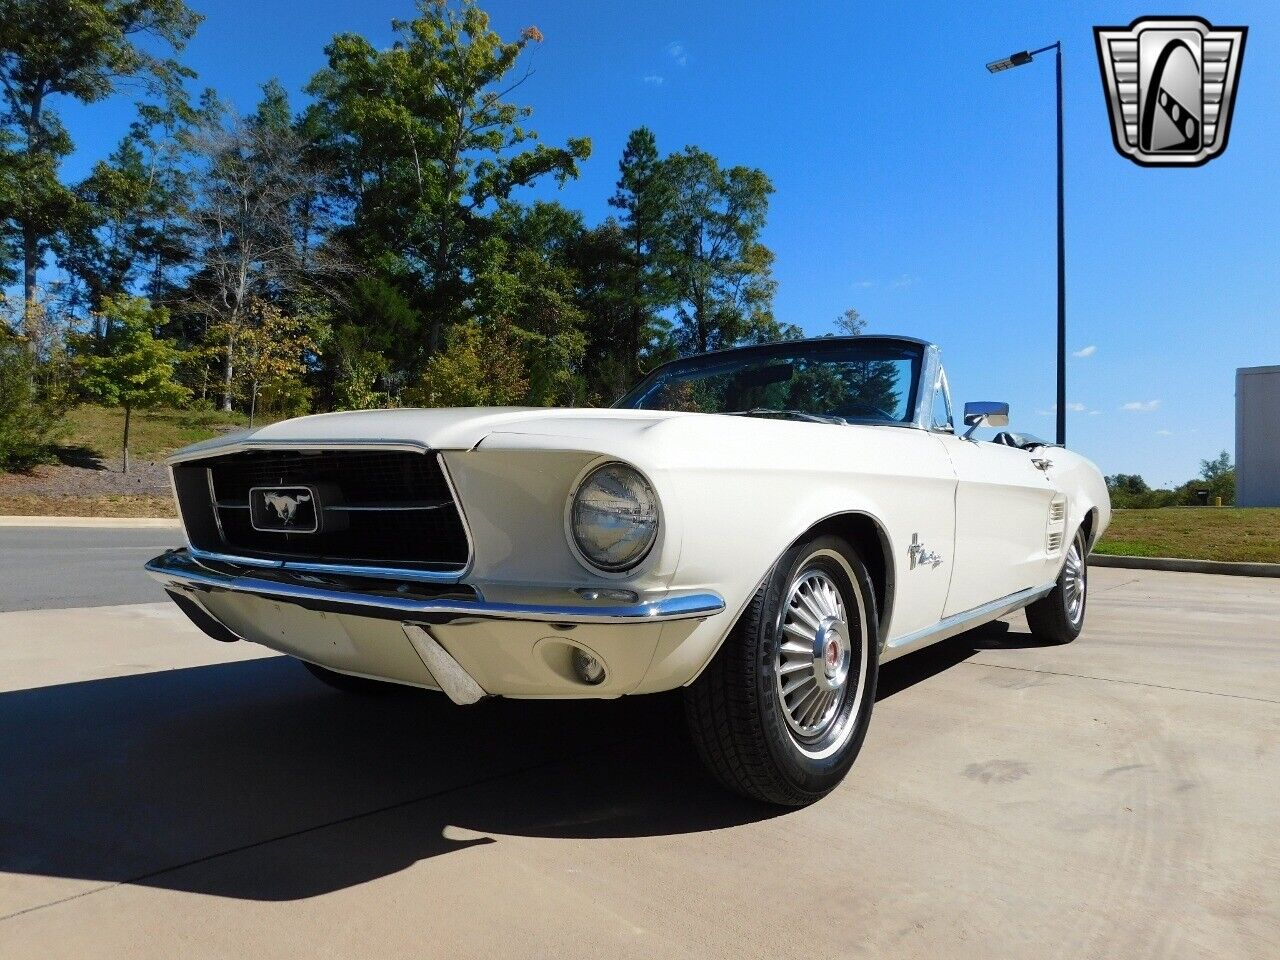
(1074, 583)
(821, 654)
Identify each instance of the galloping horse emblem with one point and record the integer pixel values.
(285, 507)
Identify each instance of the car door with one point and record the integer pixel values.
(1003, 503)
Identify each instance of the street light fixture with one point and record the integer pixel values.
(999, 66)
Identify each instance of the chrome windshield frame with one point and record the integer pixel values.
(924, 388)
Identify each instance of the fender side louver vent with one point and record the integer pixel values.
(1057, 524)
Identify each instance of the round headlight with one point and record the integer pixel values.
(614, 517)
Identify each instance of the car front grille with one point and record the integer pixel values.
(376, 508)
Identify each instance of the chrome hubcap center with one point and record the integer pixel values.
(831, 650)
(832, 655)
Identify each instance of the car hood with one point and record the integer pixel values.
(456, 428)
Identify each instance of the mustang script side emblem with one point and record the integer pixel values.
(1170, 84)
(287, 509)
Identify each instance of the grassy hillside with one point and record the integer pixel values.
(1196, 533)
(154, 433)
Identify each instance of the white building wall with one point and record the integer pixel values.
(1258, 436)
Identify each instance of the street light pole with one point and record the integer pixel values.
(1062, 274)
(1017, 60)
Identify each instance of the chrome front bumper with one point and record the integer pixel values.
(178, 570)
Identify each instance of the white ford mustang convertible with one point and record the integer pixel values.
(762, 526)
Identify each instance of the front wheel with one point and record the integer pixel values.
(781, 712)
(1059, 616)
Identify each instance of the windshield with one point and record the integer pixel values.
(864, 379)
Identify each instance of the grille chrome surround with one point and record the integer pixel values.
(209, 539)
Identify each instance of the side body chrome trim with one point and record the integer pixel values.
(179, 569)
(968, 619)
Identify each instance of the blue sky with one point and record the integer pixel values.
(910, 183)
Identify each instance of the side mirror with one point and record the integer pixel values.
(985, 413)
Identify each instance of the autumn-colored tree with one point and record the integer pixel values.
(274, 353)
(480, 366)
(129, 367)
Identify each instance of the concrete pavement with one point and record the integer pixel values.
(162, 795)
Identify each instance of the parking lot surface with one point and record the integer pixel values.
(165, 795)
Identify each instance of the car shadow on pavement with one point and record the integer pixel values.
(251, 780)
(917, 667)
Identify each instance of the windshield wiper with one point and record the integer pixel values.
(793, 414)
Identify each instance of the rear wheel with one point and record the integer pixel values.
(349, 684)
(1059, 617)
(781, 712)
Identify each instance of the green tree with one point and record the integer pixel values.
(130, 233)
(28, 423)
(129, 367)
(850, 323)
(526, 284)
(82, 49)
(425, 144)
(722, 274)
(646, 199)
(1219, 475)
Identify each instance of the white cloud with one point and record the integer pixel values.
(1094, 413)
(1088, 351)
(677, 52)
(1164, 433)
(865, 284)
(904, 281)
(1076, 407)
(1141, 406)
(653, 79)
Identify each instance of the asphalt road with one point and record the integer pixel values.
(165, 795)
(51, 567)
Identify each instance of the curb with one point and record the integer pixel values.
(1179, 565)
(163, 522)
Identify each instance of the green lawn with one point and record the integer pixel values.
(1196, 533)
(153, 433)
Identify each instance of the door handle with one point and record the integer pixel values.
(1041, 464)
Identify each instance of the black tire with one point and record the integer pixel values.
(1056, 618)
(739, 719)
(362, 686)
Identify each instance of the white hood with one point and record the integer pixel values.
(455, 428)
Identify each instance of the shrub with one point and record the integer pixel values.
(27, 424)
